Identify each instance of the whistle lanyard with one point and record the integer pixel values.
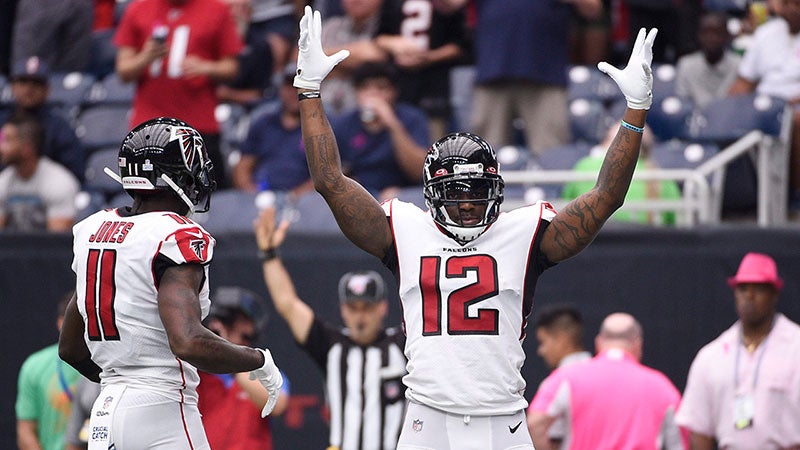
(763, 348)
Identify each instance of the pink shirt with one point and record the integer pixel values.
(613, 403)
(708, 402)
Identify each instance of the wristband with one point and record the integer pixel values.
(268, 254)
(631, 127)
(306, 95)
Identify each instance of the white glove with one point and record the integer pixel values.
(313, 65)
(636, 79)
(270, 377)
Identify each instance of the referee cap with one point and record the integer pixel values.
(363, 285)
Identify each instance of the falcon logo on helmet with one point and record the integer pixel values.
(166, 154)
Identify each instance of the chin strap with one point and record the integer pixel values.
(180, 193)
(112, 174)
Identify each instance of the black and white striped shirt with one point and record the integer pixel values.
(363, 385)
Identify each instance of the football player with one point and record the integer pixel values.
(142, 291)
(466, 271)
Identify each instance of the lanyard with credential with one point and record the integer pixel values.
(63, 380)
(758, 361)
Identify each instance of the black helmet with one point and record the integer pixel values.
(459, 163)
(166, 154)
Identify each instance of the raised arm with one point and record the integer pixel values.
(579, 222)
(358, 213)
(297, 314)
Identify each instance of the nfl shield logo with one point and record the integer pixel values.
(416, 425)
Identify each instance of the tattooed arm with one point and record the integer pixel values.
(576, 225)
(580, 221)
(358, 214)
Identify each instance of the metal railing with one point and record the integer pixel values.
(702, 192)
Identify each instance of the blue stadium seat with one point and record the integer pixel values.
(102, 125)
(69, 90)
(111, 90)
(103, 54)
(588, 82)
(313, 215)
(663, 80)
(88, 203)
(668, 118)
(678, 154)
(560, 158)
(95, 178)
(231, 210)
(589, 120)
(729, 118)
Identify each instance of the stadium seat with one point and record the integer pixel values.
(111, 90)
(664, 76)
(102, 126)
(69, 90)
(726, 119)
(96, 180)
(668, 117)
(312, 215)
(589, 120)
(559, 158)
(88, 203)
(678, 154)
(588, 82)
(231, 210)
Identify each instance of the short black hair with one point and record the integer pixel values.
(564, 317)
(30, 128)
(371, 70)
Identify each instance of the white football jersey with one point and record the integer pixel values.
(465, 308)
(115, 260)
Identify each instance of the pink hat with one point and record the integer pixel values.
(757, 268)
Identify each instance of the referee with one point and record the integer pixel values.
(363, 363)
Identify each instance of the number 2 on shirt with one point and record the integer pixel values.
(458, 302)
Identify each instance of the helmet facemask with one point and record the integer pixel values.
(469, 184)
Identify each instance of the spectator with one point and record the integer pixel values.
(254, 76)
(177, 51)
(57, 31)
(355, 30)
(639, 190)
(230, 403)
(559, 330)
(45, 391)
(743, 389)
(383, 141)
(521, 58)
(30, 89)
(36, 193)
(611, 401)
(272, 153)
(142, 291)
(275, 22)
(465, 273)
(424, 43)
(363, 363)
(771, 66)
(76, 436)
(709, 72)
